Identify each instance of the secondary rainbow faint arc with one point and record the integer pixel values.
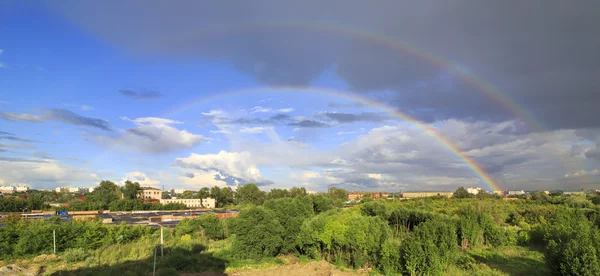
(381, 39)
(490, 183)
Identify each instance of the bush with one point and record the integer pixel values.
(168, 272)
(466, 262)
(428, 249)
(257, 234)
(75, 255)
(572, 245)
(209, 223)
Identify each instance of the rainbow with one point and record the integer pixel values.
(484, 176)
(382, 40)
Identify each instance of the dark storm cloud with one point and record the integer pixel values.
(351, 118)
(543, 57)
(65, 116)
(144, 95)
(308, 124)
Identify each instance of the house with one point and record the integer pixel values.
(500, 193)
(177, 191)
(7, 189)
(519, 192)
(192, 202)
(473, 191)
(22, 189)
(425, 194)
(149, 193)
(62, 189)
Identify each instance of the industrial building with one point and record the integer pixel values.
(425, 194)
(192, 202)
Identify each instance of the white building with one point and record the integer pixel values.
(177, 191)
(473, 191)
(22, 189)
(74, 190)
(192, 202)
(7, 189)
(311, 192)
(520, 192)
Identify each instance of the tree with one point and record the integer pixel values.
(105, 193)
(131, 190)
(258, 233)
(215, 192)
(227, 195)
(186, 195)
(203, 193)
(250, 194)
(338, 194)
(461, 192)
(291, 213)
(297, 192)
(278, 193)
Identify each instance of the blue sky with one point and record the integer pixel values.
(87, 96)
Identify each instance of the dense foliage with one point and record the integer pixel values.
(429, 236)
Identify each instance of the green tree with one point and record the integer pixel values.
(203, 193)
(104, 194)
(277, 193)
(461, 192)
(297, 192)
(131, 190)
(257, 234)
(572, 244)
(250, 194)
(186, 195)
(228, 196)
(338, 194)
(291, 213)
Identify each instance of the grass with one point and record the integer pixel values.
(507, 260)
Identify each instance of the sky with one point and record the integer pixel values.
(386, 96)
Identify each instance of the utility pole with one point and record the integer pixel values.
(154, 269)
(162, 241)
(54, 237)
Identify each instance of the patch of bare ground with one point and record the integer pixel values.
(317, 268)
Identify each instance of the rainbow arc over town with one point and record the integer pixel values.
(376, 38)
(429, 130)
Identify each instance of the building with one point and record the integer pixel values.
(425, 194)
(573, 193)
(192, 202)
(75, 190)
(519, 192)
(22, 189)
(62, 189)
(500, 193)
(149, 193)
(177, 191)
(209, 202)
(359, 195)
(311, 192)
(7, 189)
(90, 189)
(473, 191)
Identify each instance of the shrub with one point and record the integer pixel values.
(258, 234)
(209, 223)
(75, 255)
(428, 249)
(465, 261)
